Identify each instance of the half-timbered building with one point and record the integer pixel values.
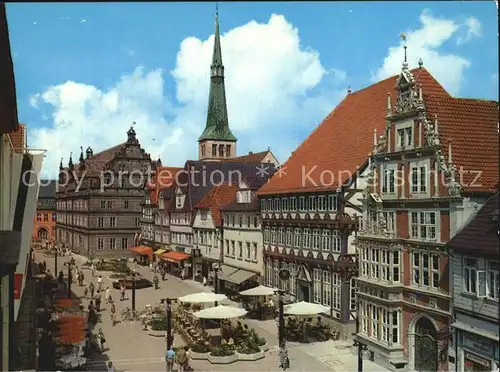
(421, 189)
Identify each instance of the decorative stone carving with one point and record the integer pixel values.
(412, 299)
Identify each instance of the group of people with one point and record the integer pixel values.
(180, 357)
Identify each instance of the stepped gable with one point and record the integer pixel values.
(217, 197)
(480, 235)
(343, 141)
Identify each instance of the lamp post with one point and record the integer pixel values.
(170, 338)
(70, 266)
(215, 268)
(284, 274)
(133, 292)
(155, 213)
(54, 247)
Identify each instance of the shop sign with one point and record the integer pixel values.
(478, 343)
(478, 360)
(18, 283)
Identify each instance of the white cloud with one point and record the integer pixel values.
(270, 79)
(473, 30)
(424, 43)
(34, 99)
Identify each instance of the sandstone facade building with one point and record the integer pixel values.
(102, 216)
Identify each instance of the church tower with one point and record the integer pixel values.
(217, 142)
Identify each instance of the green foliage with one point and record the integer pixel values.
(222, 351)
(158, 324)
(249, 347)
(200, 347)
(116, 266)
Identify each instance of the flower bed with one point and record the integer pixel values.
(198, 356)
(155, 333)
(140, 283)
(251, 357)
(228, 359)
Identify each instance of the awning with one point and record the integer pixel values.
(160, 251)
(174, 256)
(225, 272)
(234, 275)
(142, 250)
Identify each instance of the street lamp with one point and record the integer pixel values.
(284, 274)
(170, 338)
(133, 292)
(54, 248)
(70, 266)
(216, 268)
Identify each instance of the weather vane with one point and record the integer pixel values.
(403, 37)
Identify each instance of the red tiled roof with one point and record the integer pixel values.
(343, 141)
(480, 235)
(97, 162)
(252, 158)
(164, 178)
(215, 199)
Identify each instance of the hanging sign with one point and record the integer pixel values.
(18, 283)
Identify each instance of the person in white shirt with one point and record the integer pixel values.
(106, 294)
(99, 283)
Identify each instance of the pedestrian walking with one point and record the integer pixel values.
(111, 367)
(99, 283)
(156, 282)
(122, 291)
(169, 359)
(182, 358)
(98, 301)
(163, 273)
(91, 289)
(86, 292)
(107, 293)
(112, 311)
(151, 266)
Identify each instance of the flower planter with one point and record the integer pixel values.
(251, 357)
(223, 359)
(264, 347)
(154, 333)
(198, 356)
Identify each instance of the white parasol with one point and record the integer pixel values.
(259, 291)
(220, 312)
(202, 297)
(305, 308)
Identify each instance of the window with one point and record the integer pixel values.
(396, 268)
(327, 288)
(248, 251)
(110, 204)
(335, 241)
(39, 217)
(321, 203)
(283, 284)
(293, 204)
(233, 220)
(385, 325)
(54, 217)
(214, 149)
(276, 278)
(281, 236)
(423, 225)
(284, 204)
(269, 272)
(492, 280)
(112, 243)
(425, 270)
(254, 256)
(325, 240)
(233, 248)
(256, 222)
(226, 244)
(374, 267)
(273, 235)
(374, 321)
(204, 215)
(302, 204)
(313, 203)
(269, 206)
(419, 179)
(240, 220)
(470, 275)
(336, 286)
(405, 137)
(275, 205)
(100, 243)
(332, 202)
(100, 221)
(266, 234)
(395, 327)
(388, 180)
(364, 317)
(137, 221)
(240, 250)
(384, 265)
(124, 243)
(390, 221)
(103, 204)
(263, 205)
(289, 237)
(317, 285)
(307, 238)
(228, 151)
(112, 221)
(297, 238)
(365, 261)
(316, 239)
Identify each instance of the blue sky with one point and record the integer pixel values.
(86, 71)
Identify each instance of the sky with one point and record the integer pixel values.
(86, 71)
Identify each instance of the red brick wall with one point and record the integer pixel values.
(49, 225)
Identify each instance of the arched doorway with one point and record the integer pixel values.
(425, 346)
(43, 234)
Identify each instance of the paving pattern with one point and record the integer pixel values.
(132, 349)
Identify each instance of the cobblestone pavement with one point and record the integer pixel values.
(132, 349)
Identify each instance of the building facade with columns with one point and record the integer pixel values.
(99, 199)
(421, 189)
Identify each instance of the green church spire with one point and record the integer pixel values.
(217, 127)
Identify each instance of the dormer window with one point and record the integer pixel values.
(243, 196)
(404, 137)
(204, 214)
